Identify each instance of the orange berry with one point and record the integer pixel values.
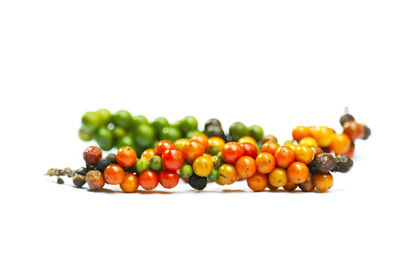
(304, 154)
(148, 180)
(169, 179)
(114, 174)
(308, 141)
(340, 144)
(298, 172)
(227, 174)
(265, 162)
(246, 167)
(322, 181)
(203, 166)
(126, 156)
(149, 153)
(193, 149)
(300, 132)
(289, 186)
(202, 138)
(277, 178)
(353, 129)
(130, 183)
(216, 142)
(323, 135)
(258, 182)
(269, 147)
(284, 156)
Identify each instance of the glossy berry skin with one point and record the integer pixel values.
(289, 186)
(173, 159)
(162, 146)
(126, 156)
(114, 174)
(298, 172)
(180, 143)
(95, 180)
(232, 152)
(92, 155)
(227, 174)
(322, 181)
(247, 139)
(258, 182)
(340, 144)
(148, 153)
(304, 154)
(308, 141)
(300, 132)
(323, 135)
(192, 150)
(169, 179)
(202, 138)
(203, 166)
(265, 162)
(216, 142)
(246, 167)
(130, 183)
(307, 186)
(284, 156)
(249, 150)
(269, 138)
(277, 178)
(148, 180)
(270, 147)
(353, 129)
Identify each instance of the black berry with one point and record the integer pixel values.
(197, 182)
(111, 158)
(343, 163)
(102, 164)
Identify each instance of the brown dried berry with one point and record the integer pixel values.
(60, 180)
(367, 132)
(95, 180)
(307, 186)
(92, 155)
(343, 163)
(269, 138)
(78, 180)
(345, 118)
(324, 162)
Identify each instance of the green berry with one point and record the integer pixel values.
(126, 140)
(158, 124)
(288, 142)
(145, 136)
(256, 132)
(156, 163)
(142, 165)
(138, 120)
(91, 121)
(170, 133)
(217, 161)
(105, 116)
(119, 132)
(186, 171)
(213, 176)
(238, 130)
(189, 123)
(84, 134)
(122, 118)
(213, 150)
(104, 138)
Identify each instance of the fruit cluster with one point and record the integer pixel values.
(306, 162)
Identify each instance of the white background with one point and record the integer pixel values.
(274, 63)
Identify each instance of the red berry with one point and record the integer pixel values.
(169, 179)
(172, 159)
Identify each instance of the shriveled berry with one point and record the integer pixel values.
(82, 171)
(197, 182)
(343, 163)
(112, 158)
(102, 164)
(367, 132)
(324, 162)
(92, 155)
(269, 138)
(78, 180)
(60, 180)
(95, 180)
(345, 118)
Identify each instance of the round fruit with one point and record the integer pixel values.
(173, 159)
(216, 142)
(307, 186)
(92, 155)
(323, 135)
(324, 162)
(343, 163)
(289, 186)
(238, 130)
(148, 153)
(189, 123)
(142, 165)
(84, 134)
(202, 138)
(171, 133)
(169, 179)
(249, 150)
(148, 180)
(122, 118)
(232, 152)
(345, 118)
(126, 156)
(91, 121)
(256, 132)
(126, 140)
(144, 135)
(265, 162)
(300, 132)
(227, 174)
(247, 139)
(213, 177)
(203, 166)
(104, 138)
(298, 172)
(214, 130)
(258, 182)
(192, 150)
(246, 167)
(138, 120)
(322, 181)
(186, 171)
(270, 147)
(304, 154)
(158, 124)
(162, 146)
(277, 178)
(353, 129)
(130, 183)
(95, 180)
(284, 156)
(114, 174)
(180, 143)
(269, 138)
(340, 144)
(104, 115)
(156, 163)
(210, 122)
(308, 141)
